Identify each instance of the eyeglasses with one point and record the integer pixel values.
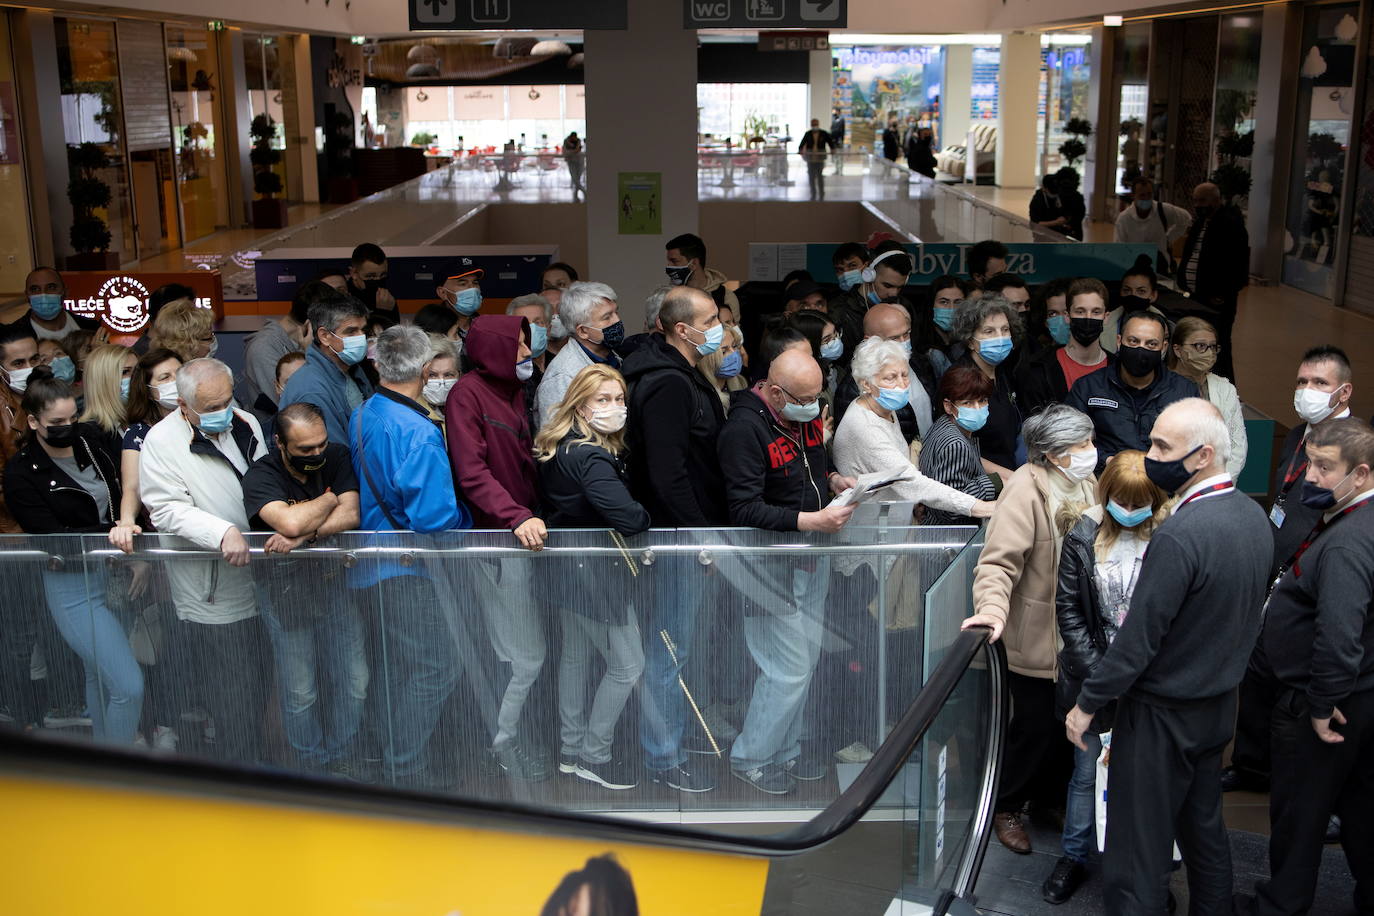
(792, 397)
(1200, 347)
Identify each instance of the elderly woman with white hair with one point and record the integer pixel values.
(870, 439)
(1013, 591)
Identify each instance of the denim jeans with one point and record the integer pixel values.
(786, 648)
(114, 683)
(1080, 810)
(419, 668)
(325, 653)
(590, 736)
(504, 590)
(678, 584)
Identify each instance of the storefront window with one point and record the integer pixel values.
(263, 74)
(743, 111)
(1133, 51)
(92, 123)
(193, 65)
(488, 117)
(1064, 95)
(1233, 110)
(1325, 104)
(16, 252)
(873, 83)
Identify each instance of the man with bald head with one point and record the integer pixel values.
(1175, 665)
(891, 321)
(46, 294)
(778, 477)
(1216, 266)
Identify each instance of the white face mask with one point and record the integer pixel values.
(19, 379)
(165, 394)
(437, 389)
(1313, 406)
(1081, 464)
(608, 419)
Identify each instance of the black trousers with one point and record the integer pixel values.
(1037, 760)
(233, 662)
(1165, 786)
(1259, 691)
(1311, 780)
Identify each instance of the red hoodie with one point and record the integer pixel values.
(488, 434)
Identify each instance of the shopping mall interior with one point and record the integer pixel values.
(241, 151)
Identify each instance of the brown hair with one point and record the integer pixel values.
(1124, 480)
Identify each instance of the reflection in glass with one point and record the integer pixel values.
(193, 66)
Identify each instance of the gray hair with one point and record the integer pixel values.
(529, 299)
(440, 347)
(1055, 430)
(1205, 426)
(331, 311)
(402, 352)
(871, 355)
(579, 299)
(973, 312)
(653, 305)
(191, 374)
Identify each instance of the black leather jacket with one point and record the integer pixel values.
(1079, 613)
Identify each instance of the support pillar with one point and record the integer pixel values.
(1275, 101)
(235, 145)
(298, 111)
(1104, 110)
(641, 117)
(1018, 96)
(819, 84)
(34, 37)
(956, 95)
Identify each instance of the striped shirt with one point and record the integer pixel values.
(952, 458)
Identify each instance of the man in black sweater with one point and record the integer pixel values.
(778, 478)
(1175, 665)
(1318, 644)
(674, 419)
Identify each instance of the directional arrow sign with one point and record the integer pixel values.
(767, 14)
(453, 15)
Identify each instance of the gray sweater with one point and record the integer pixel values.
(260, 355)
(1195, 612)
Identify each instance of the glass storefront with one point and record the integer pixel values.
(196, 77)
(1233, 106)
(1133, 65)
(875, 82)
(488, 117)
(1064, 84)
(1325, 104)
(263, 75)
(743, 111)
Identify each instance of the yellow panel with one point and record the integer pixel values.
(126, 851)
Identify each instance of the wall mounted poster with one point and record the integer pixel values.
(641, 199)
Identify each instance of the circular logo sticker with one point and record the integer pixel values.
(126, 304)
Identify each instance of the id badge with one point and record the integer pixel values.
(1276, 515)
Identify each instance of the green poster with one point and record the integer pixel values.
(641, 197)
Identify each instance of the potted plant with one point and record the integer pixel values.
(1230, 177)
(89, 235)
(269, 212)
(423, 139)
(1075, 148)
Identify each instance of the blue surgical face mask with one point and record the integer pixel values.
(1059, 329)
(944, 318)
(46, 305)
(539, 339)
(994, 350)
(216, 421)
(972, 418)
(906, 348)
(873, 297)
(63, 368)
(1145, 206)
(1128, 518)
(468, 301)
(801, 413)
(893, 398)
(832, 349)
(731, 365)
(124, 389)
(714, 335)
(850, 279)
(354, 348)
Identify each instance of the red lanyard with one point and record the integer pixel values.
(1295, 469)
(1207, 491)
(1312, 536)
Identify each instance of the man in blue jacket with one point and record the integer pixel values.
(332, 378)
(1126, 396)
(406, 484)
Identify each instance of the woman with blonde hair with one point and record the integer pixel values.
(1193, 351)
(108, 374)
(581, 455)
(185, 329)
(724, 368)
(1098, 569)
(439, 375)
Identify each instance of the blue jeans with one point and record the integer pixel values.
(114, 683)
(328, 652)
(419, 668)
(677, 589)
(786, 648)
(1080, 810)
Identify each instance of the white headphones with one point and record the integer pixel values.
(870, 273)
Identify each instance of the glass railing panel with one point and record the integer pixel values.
(949, 601)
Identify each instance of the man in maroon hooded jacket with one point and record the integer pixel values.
(493, 464)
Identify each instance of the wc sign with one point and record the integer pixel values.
(120, 301)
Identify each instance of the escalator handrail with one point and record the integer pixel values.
(47, 757)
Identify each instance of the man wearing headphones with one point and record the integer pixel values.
(881, 281)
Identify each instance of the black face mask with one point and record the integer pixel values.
(1138, 361)
(307, 464)
(60, 436)
(1133, 304)
(1085, 330)
(1169, 476)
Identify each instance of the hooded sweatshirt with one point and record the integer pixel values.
(774, 470)
(488, 431)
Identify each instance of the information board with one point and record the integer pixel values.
(448, 15)
(767, 14)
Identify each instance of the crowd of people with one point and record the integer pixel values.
(1098, 430)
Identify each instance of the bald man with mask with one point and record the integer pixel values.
(892, 322)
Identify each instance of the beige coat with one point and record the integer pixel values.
(1017, 572)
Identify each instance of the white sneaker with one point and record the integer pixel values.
(164, 738)
(857, 752)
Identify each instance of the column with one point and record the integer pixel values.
(641, 117)
(45, 143)
(956, 95)
(298, 111)
(1018, 97)
(236, 145)
(820, 85)
(1276, 100)
(1104, 111)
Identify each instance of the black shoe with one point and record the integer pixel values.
(769, 778)
(1171, 904)
(513, 761)
(1333, 830)
(1063, 881)
(682, 779)
(806, 768)
(1235, 779)
(613, 774)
